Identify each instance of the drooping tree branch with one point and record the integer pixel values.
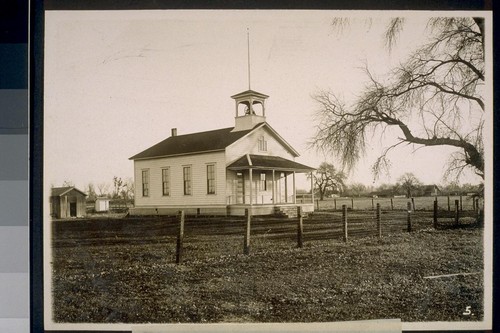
(437, 84)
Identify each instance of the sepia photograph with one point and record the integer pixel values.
(301, 168)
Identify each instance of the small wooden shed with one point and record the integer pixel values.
(102, 204)
(67, 202)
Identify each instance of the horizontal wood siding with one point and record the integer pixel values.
(250, 145)
(199, 196)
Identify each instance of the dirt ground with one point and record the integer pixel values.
(123, 270)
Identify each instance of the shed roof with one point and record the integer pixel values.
(60, 191)
(268, 162)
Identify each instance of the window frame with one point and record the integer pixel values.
(262, 143)
(145, 182)
(165, 181)
(211, 182)
(263, 182)
(187, 182)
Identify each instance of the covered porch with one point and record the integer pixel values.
(266, 185)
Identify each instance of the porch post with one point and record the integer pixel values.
(294, 189)
(312, 189)
(251, 185)
(286, 188)
(274, 191)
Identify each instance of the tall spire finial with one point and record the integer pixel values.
(248, 46)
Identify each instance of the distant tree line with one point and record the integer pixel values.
(119, 188)
(331, 182)
(416, 189)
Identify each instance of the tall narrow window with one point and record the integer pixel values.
(187, 180)
(210, 179)
(145, 183)
(262, 144)
(165, 181)
(263, 184)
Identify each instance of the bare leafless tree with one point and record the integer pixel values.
(435, 98)
(68, 183)
(103, 189)
(327, 178)
(357, 189)
(128, 189)
(91, 194)
(408, 182)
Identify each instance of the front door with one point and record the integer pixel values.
(72, 209)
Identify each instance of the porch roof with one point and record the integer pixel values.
(261, 162)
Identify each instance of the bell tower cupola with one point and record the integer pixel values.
(250, 105)
(250, 109)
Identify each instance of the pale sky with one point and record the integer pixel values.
(117, 82)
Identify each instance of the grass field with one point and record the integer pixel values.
(123, 270)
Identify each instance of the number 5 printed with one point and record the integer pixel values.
(467, 311)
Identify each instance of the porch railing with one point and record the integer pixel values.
(268, 199)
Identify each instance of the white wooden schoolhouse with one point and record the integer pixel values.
(223, 171)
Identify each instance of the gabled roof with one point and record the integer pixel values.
(60, 191)
(267, 162)
(193, 143)
(203, 142)
(283, 142)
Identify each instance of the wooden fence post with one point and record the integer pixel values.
(461, 202)
(300, 228)
(413, 203)
(474, 204)
(246, 243)
(198, 212)
(479, 216)
(449, 208)
(379, 224)
(392, 204)
(352, 203)
(317, 204)
(457, 212)
(335, 204)
(373, 206)
(409, 217)
(435, 217)
(180, 239)
(344, 222)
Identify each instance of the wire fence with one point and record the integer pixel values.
(197, 236)
(399, 203)
(341, 225)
